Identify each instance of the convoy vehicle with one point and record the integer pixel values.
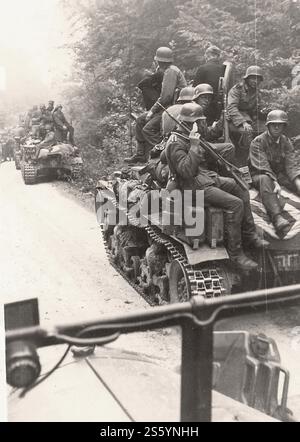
(39, 161)
(146, 236)
(109, 384)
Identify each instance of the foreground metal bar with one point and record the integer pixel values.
(196, 373)
(196, 318)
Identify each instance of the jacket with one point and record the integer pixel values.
(173, 79)
(187, 163)
(243, 104)
(273, 158)
(210, 73)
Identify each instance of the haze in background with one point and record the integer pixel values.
(32, 34)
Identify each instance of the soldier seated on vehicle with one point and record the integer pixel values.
(203, 96)
(188, 165)
(274, 163)
(168, 124)
(148, 125)
(49, 141)
(50, 106)
(246, 119)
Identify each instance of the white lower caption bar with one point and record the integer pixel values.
(3, 391)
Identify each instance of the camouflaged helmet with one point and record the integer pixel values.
(186, 94)
(254, 70)
(191, 112)
(164, 54)
(277, 116)
(203, 89)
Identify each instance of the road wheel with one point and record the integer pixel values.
(180, 290)
(135, 263)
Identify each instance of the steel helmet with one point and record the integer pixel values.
(191, 112)
(164, 54)
(254, 70)
(186, 94)
(203, 89)
(277, 116)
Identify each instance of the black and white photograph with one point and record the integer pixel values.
(149, 213)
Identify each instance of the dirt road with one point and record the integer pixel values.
(51, 249)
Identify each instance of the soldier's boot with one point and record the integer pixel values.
(250, 237)
(274, 210)
(281, 225)
(141, 155)
(234, 244)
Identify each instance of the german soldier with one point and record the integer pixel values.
(187, 162)
(274, 163)
(62, 126)
(244, 114)
(203, 96)
(148, 125)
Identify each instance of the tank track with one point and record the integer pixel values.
(29, 174)
(206, 283)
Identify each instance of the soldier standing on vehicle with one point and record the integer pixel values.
(148, 125)
(274, 163)
(210, 73)
(187, 163)
(245, 117)
(62, 127)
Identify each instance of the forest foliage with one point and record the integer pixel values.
(114, 41)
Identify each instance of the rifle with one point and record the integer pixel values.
(232, 170)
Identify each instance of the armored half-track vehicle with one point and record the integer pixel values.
(147, 238)
(156, 254)
(39, 161)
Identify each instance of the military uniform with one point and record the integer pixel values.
(190, 169)
(60, 122)
(244, 107)
(273, 161)
(148, 134)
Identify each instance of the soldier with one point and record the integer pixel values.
(50, 106)
(210, 73)
(187, 163)
(35, 121)
(244, 114)
(148, 125)
(274, 163)
(203, 96)
(62, 126)
(168, 124)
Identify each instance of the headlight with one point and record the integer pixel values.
(22, 364)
